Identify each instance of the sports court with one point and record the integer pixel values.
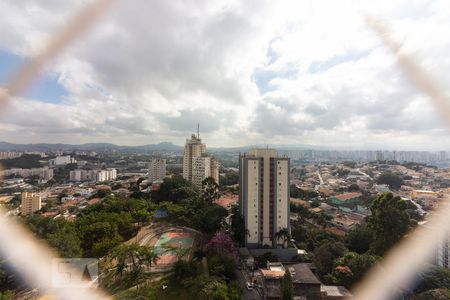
(167, 244)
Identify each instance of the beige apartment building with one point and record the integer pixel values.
(264, 196)
(31, 202)
(157, 170)
(203, 167)
(192, 149)
(197, 165)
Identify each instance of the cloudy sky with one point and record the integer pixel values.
(250, 72)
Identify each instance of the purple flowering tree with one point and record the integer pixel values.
(222, 243)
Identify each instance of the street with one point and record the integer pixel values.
(246, 294)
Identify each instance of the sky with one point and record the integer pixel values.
(250, 72)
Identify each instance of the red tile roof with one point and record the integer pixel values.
(227, 200)
(348, 196)
(94, 201)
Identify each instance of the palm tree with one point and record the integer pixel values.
(283, 234)
(133, 259)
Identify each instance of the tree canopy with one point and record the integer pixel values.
(388, 223)
(393, 180)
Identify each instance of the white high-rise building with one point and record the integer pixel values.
(93, 175)
(62, 161)
(264, 196)
(31, 202)
(157, 170)
(107, 175)
(192, 149)
(197, 165)
(203, 167)
(83, 175)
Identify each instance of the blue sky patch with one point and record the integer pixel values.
(318, 67)
(263, 77)
(46, 88)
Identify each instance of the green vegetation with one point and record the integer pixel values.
(127, 265)
(62, 174)
(6, 291)
(393, 180)
(436, 294)
(434, 278)
(174, 189)
(342, 261)
(230, 178)
(286, 286)
(296, 192)
(210, 190)
(388, 223)
(350, 268)
(353, 188)
(238, 226)
(26, 161)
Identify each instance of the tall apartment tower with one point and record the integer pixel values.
(264, 196)
(31, 202)
(203, 167)
(192, 149)
(157, 170)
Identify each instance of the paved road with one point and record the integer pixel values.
(246, 294)
(320, 177)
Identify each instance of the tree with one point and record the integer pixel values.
(359, 240)
(67, 242)
(209, 219)
(223, 244)
(210, 190)
(3, 276)
(434, 278)
(238, 226)
(183, 269)
(353, 187)
(230, 178)
(350, 268)
(59, 233)
(213, 289)
(174, 189)
(388, 223)
(222, 266)
(286, 286)
(315, 203)
(393, 180)
(284, 235)
(325, 255)
(7, 295)
(435, 294)
(133, 260)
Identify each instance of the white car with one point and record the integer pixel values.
(249, 286)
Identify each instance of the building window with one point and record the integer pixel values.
(279, 173)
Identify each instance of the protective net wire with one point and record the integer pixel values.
(32, 259)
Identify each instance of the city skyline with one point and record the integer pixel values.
(274, 74)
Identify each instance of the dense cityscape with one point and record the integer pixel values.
(256, 223)
(224, 150)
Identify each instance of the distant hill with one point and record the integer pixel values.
(44, 147)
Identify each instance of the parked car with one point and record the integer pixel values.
(249, 286)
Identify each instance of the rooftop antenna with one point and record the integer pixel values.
(198, 130)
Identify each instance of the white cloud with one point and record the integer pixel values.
(153, 69)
